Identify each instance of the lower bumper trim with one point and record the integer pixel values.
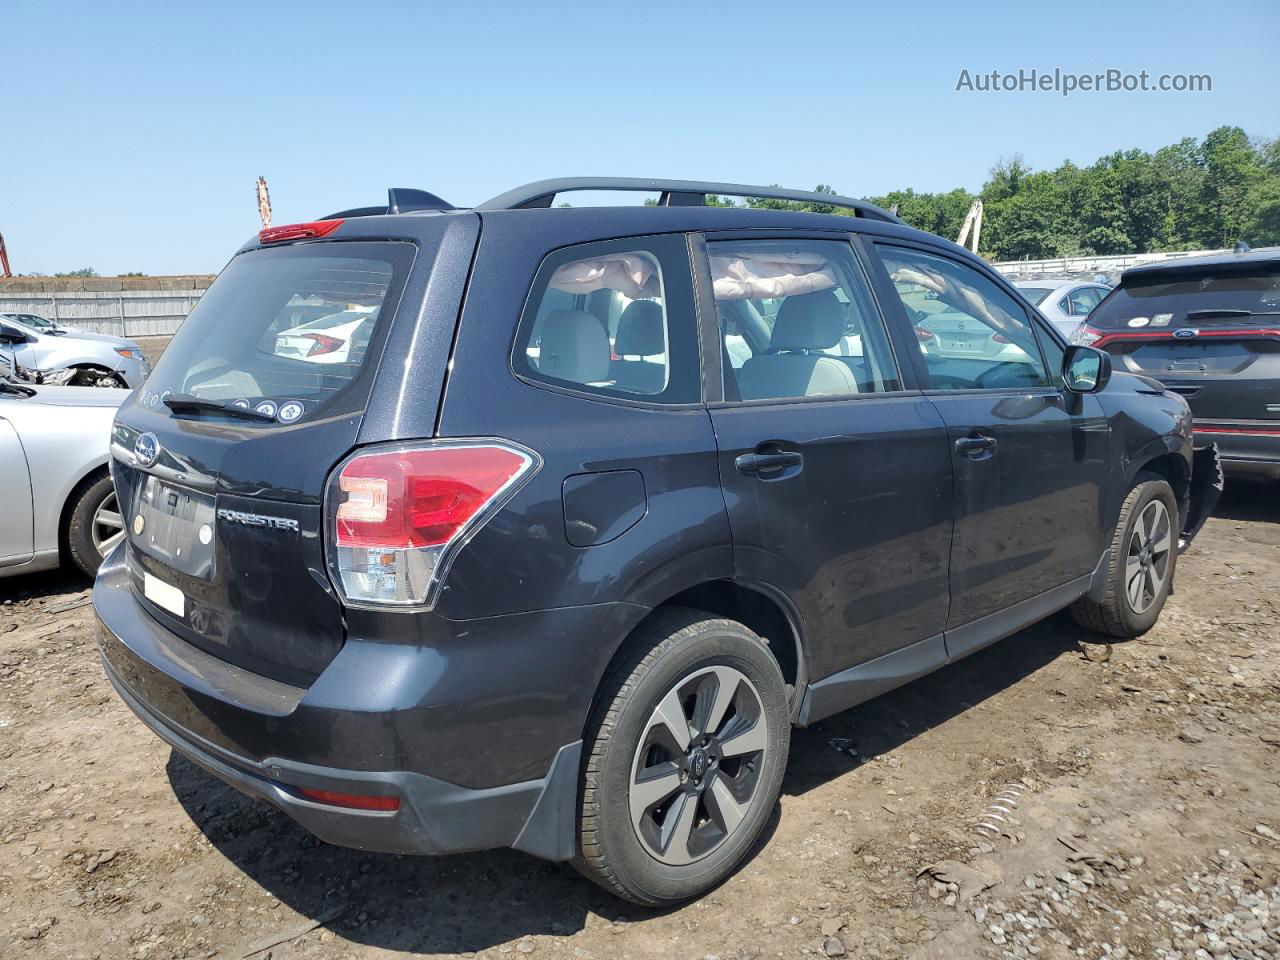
(434, 816)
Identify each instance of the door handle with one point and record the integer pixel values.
(754, 464)
(976, 447)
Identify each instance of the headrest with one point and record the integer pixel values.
(808, 321)
(640, 330)
(574, 347)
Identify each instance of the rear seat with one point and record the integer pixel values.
(641, 333)
(795, 365)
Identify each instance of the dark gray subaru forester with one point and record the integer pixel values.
(541, 527)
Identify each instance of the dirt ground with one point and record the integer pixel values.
(1140, 786)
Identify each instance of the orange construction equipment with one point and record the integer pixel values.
(264, 203)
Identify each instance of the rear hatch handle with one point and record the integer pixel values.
(1206, 487)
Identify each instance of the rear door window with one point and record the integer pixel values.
(797, 320)
(292, 332)
(614, 319)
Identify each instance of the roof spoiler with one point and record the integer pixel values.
(399, 200)
(673, 193)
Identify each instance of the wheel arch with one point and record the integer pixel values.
(1175, 469)
(87, 479)
(759, 607)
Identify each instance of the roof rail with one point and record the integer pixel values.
(399, 200)
(672, 193)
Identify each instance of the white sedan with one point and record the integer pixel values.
(326, 340)
(1065, 303)
(59, 503)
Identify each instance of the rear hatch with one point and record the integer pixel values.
(1210, 333)
(220, 461)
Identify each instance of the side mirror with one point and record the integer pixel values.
(1086, 369)
(11, 336)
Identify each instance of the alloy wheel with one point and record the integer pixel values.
(697, 767)
(108, 525)
(1147, 561)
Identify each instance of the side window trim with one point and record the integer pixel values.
(704, 300)
(671, 253)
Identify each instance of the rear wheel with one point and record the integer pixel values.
(95, 525)
(1144, 553)
(685, 758)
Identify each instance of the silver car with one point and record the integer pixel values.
(58, 502)
(1066, 303)
(41, 324)
(59, 356)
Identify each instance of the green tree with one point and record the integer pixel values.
(1233, 169)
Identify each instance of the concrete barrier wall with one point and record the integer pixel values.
(122, 306)
(1084, 268)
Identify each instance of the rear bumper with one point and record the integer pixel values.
(1202, 493)
(1245, 447)
(266, 739)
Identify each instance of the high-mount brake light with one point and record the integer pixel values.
(397, 514)
(298, 231)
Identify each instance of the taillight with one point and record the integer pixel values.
(1084, 335)
(923, 335)
(298, 231)
(1000, 338)
(397, 515)
(323, 344)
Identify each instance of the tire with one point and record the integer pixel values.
(690, 656)
(93, 527)
(1124, 611)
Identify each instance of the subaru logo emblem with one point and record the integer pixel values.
(1186, 333)
(146, 449)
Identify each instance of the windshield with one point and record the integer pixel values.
(1165, 299)
(286, 331)
(1035, 294)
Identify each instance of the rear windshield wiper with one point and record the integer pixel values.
(1227, 313)
(187, 402)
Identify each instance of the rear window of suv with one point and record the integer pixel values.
(292, 332)
(1176, 299)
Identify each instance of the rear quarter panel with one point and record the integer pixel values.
(523, 559)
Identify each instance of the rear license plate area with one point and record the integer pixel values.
(164, 595)
(174, 525)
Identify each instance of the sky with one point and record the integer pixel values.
(132, 134)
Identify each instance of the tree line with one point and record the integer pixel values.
(1190, 195)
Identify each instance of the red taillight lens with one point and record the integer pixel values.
(923, 335)
(352, 801)
(419, 498)
(1000, 338)
(398, 514)
(298, 231)
(323, 344)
